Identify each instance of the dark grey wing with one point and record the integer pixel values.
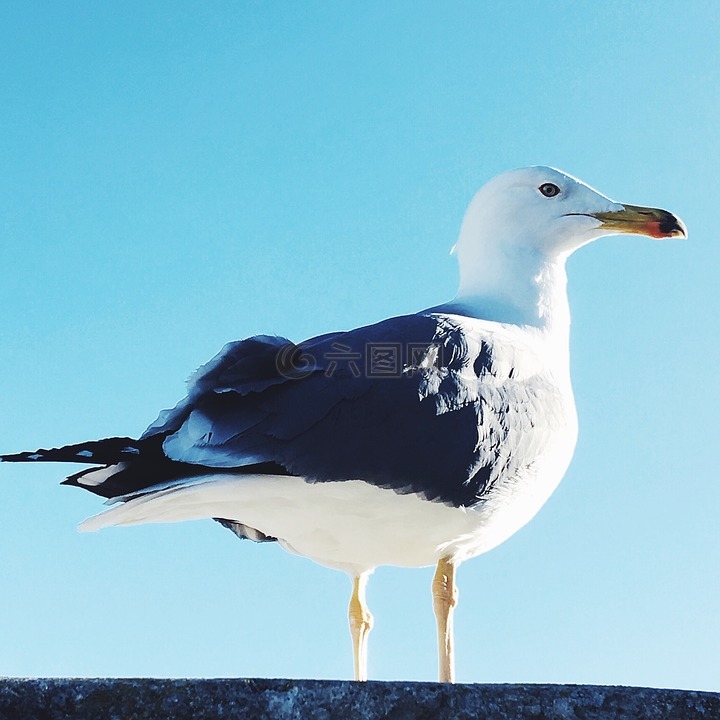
(413, 403)
(444, 421)
(343, 418)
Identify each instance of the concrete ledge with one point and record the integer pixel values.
(141, 699)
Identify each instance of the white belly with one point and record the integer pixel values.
(350, 525)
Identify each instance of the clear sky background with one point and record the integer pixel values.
(177, 175)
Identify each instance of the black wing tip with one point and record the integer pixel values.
(93, 452)
(24, 456)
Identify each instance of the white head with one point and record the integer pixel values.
(522, 225)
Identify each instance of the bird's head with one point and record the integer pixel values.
(552, 213)
(519, 229)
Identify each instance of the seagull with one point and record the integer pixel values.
(421, 440)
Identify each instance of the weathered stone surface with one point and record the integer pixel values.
(142, 699)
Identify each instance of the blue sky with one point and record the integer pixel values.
(178, 175)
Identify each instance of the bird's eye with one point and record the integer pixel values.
(549, 190)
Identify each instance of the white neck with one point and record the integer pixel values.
(514, 285)
(520, 284)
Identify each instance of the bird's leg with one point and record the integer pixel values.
(361, 622)
(445, 595)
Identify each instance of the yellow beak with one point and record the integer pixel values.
(636, 220)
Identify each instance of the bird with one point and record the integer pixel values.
(421, 440)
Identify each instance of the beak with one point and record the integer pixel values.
(636, 220)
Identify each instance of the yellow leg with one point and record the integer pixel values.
(445, 595)
(361, 622)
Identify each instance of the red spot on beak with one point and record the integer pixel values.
(654, 229)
